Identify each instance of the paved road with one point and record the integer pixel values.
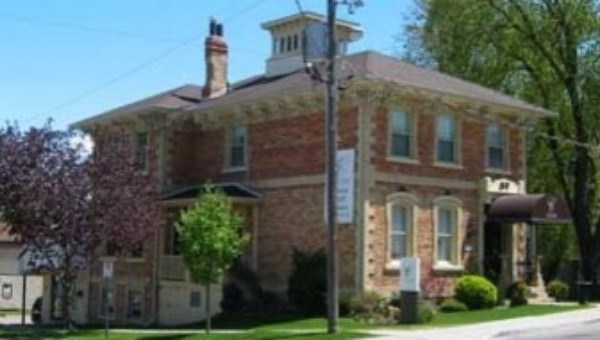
(576, 325)
(584, 331)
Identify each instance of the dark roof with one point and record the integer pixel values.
(234, 190)
(363, 65)
(536, 209)
(176, 98)
(376, 66)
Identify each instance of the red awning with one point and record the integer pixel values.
(535, 209)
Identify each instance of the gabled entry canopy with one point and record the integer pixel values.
(534, 209)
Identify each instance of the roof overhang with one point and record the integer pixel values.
(533, 209)
(238, 192)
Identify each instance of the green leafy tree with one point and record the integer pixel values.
(211, 239)
(546, 52)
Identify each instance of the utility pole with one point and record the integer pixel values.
(331, 127)
(331, 122)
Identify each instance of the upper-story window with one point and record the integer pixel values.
(446, 139)
(141, 151)
(281, 45)
(495, 137)
(401, 134)
(237, 146)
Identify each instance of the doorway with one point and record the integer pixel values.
(493, 248)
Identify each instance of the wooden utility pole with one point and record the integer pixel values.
(331, 123)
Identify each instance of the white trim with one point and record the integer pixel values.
(505, 150)
(411, 203)
(456, 205)
(457, 142)
(413, 156)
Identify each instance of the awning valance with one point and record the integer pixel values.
(535, 209)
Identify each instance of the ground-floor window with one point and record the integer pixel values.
(401, 216)
(135, 303)
(447, 215)
(107, 302)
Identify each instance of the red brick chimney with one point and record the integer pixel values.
(216, 55)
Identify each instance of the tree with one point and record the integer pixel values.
(210, 239)
(63, 204)
(546, 52)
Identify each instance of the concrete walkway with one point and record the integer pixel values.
(495, 329)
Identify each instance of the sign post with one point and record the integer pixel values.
(107, 274)
(410, 281)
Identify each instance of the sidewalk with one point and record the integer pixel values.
(495, 329)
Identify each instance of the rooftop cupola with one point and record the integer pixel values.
(289, 40)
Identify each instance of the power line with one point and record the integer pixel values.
(136, 68)
(78, 26)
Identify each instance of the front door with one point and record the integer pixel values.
(493, 250)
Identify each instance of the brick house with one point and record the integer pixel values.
(432, 154)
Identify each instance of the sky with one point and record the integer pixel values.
(71, 59)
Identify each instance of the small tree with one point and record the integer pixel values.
(210, 240)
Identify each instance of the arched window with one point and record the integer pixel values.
(447, 217)
(401, 220)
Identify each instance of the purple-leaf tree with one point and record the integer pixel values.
(63, 203)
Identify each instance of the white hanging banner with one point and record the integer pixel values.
(345, 185)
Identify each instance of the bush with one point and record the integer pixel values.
(426, 312)
(395, 300)
(452, 305)
(345, 306)
(369, 307)
(518, 293)
(558, 289)
(307, 283)
(476, 292)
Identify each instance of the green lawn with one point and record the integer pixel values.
(286, 328)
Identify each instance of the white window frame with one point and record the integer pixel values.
(141, 155)
(505, 150)
(454, 204)
(411, 203)
(230, 145)
(457, 142)
(412, 136)
(142, 304)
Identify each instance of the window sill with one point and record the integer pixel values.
(235, 169)
(135, 260)
(108, 259)
(447, 267)
(393, 266)
(455, 166)
(403, 160)
(497, 171)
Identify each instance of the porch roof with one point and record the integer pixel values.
(233, 190)
(534, 209)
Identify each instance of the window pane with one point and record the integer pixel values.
(195, 299)
(446, 128)
(398, 246)
(237, 157)
(495, 158)
(141, 151)
(444, 252)
(401, 132)
(401, 145)
(495, 136)
(399, 219)
(134, 304)
(400, 231)
(446, 151)
(495, 140)
(446, 226)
